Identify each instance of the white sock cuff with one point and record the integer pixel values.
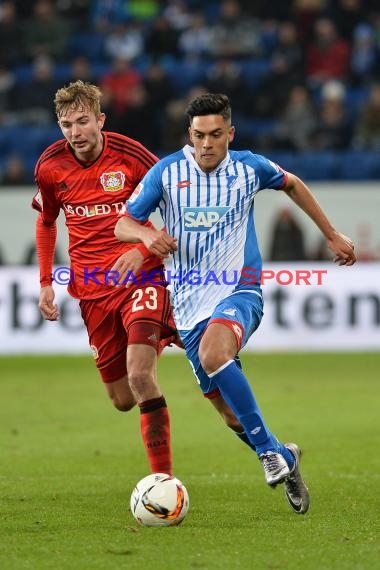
(220, 368)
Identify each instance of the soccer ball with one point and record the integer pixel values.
(159, 500)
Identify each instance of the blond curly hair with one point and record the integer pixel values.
(76, 96)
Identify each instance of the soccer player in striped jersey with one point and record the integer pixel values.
(88, 175)
(206, 194)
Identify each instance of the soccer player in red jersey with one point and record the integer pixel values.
(89, 175)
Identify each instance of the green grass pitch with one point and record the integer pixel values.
(69, 461)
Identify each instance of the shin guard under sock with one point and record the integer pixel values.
(155, 431)
(238, 394)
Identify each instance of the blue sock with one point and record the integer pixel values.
(245, 439)
(238, 394)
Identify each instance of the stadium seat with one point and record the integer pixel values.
(355, 98)
(288, 160)
(317, 166)
(30, 140)
(3, 142)
(23, 73)
(254, 70)
(358, 165)
(211, 10)
(24, 140)
(184, 74)
(62, 72)
(88, 44)
(310, 166)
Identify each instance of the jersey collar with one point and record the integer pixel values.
(188, 151)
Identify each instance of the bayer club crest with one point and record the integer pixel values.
(112, 181)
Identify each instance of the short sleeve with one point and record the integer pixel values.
(146, 196)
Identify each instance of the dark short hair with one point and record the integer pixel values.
(209, 104)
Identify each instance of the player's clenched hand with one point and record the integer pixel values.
(343, 248)
(49, 310)
(128, 263)
(159, 242)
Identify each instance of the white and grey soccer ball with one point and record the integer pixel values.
(159, 500)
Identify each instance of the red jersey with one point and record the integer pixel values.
(91, 197)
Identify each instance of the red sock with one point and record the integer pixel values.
(155, 431)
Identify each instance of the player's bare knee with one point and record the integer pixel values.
(141, 382)
(211, 359)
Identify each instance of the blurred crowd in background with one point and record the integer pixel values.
(303, 76)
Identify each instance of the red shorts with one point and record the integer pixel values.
(137, 315)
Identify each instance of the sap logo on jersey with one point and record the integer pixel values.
(203, 219)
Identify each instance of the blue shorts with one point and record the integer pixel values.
(244, 308)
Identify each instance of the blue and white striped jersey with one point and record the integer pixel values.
(212, 217)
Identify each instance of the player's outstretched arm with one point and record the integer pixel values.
(157, 242)
(45, 242)
(341, 245)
